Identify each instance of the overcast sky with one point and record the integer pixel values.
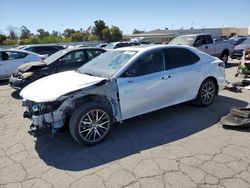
(127, 14)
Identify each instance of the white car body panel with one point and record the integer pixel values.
(7, 67)
(144, 93)
(51, 87)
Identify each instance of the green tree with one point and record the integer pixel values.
(97, 29)
(116, 33)
(42, 33)
(77, 36)
(92, 37)
(25, 32)
(2, 38)
(107, 34)
(136, 31)
(68, 32)
(9, 42)
(55, 33)
(13, 32)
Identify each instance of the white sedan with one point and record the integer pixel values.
(11, 59)
(121, 84)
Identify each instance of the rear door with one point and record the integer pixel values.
(184, 68)
(71, 60)
(14, 60)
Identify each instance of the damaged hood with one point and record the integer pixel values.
(51, 87)
(31, 66)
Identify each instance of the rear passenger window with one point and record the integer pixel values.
(15, 55)
(179, 57)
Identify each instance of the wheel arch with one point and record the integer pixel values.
(225, 51)
(97, 99)
(215, 81)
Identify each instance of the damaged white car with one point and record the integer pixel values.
(121, 84)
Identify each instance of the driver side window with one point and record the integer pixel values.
(77, 56)
(148, 64)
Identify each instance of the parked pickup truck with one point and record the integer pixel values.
(205, 43)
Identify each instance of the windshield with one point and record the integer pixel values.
(186, 40)
(54, 57)
(107, 64)
(247, 41)
(110, 46)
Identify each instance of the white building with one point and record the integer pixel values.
(161, 36)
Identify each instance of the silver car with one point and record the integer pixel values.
(12, 58)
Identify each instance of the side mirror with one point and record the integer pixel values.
(129, 73)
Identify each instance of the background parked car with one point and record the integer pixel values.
(115, 45)
(42, 49)
(205, 43)
(237, 40)
(11, 59)
(67, 59)
(238, 50)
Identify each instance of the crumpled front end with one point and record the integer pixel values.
(48, 114)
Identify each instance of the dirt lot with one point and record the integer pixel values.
(180, 146)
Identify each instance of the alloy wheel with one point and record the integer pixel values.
(94, 125)
(208, 93)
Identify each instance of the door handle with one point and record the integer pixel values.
(130, 81)
(166, 77)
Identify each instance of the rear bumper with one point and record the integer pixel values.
(236, 55)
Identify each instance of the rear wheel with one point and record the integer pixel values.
(207, 93)
(91, 123)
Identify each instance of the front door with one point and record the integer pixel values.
(71, 61)
(144, 86)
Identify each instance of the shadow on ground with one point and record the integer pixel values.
(15, 95)
(4, 82)
(133, 136)
(229, 65)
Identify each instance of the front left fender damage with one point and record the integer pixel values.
(105, 91)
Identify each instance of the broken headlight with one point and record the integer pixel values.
(26, 75)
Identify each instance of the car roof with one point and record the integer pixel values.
(194, 35)
(82, 48)
(143, 48)
(17, 50)
(37, 45)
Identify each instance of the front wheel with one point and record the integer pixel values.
(207, 93)
(91, 123)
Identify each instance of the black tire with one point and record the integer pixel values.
(207, 89)
(224, 57)
(85, 119)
